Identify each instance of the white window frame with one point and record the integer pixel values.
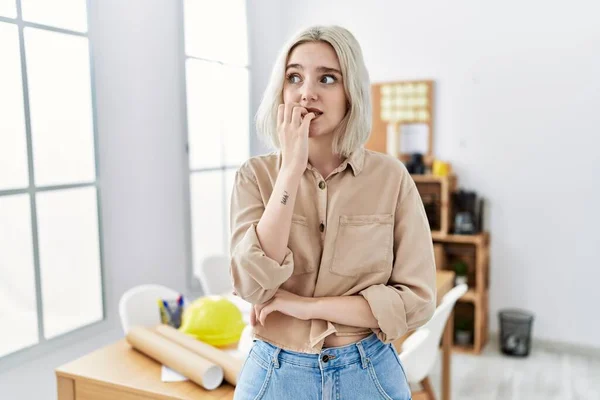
(45, 346)
(192, 280)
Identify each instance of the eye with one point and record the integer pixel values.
(293, 78)
(328, 79)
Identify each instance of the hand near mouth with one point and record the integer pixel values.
(293, 122)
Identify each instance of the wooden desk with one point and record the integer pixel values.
(119, 372)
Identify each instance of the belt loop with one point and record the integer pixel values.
(363, 358)
(276, 357)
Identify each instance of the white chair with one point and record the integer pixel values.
(420, 350)
(214, 275)
(246, 341)
(215, 280)
(139, 306)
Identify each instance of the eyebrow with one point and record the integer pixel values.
(319, 69)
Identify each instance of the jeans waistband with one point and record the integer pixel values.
(329, 357)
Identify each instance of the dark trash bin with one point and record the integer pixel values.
(515, 332)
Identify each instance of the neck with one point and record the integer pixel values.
(320, 155)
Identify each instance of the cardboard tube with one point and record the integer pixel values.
(189, 364)
(231, 365)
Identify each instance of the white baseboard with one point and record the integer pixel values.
(551, 345)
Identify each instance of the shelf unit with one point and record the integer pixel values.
(473, 305)
(473, 250)
(436, 192)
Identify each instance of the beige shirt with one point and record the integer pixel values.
(362, 230)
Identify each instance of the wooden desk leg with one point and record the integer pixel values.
(447, 342)
(65, 388)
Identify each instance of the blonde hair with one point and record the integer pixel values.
(355, 128)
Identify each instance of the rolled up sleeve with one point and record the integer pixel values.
(409, 298)
(255, 276)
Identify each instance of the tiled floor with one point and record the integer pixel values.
(547, 374)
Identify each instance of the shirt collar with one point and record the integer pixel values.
(356, 160)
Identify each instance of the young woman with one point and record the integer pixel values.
(330, 241)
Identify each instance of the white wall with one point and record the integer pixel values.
(518, 93)
(141, 143)
(265, 26)
(503, 76)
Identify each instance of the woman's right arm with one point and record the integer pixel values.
(273, 230)
(260, 258)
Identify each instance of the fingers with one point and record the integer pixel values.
(306, 121)
(255, 315)
(287, 115)
(292, 113)
(264, 313)
(297, 114)
(259, 311)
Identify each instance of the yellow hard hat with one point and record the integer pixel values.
(213, 320)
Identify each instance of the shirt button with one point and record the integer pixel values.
(322, 227)
(325, 358)
(322, 185)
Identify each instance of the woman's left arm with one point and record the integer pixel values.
(346, 310)
(408, 300)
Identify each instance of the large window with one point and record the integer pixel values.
(50, 253)
(217, 91)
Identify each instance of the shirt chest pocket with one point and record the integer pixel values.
(364, 244)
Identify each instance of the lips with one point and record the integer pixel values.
(316, 111)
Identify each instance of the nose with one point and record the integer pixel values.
(308, 91)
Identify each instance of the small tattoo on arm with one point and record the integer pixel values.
(285, 198)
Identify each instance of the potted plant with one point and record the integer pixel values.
(460, 268)
(463, 331)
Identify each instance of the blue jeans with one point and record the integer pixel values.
(365, 370)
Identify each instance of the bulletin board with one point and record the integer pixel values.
(406, 108)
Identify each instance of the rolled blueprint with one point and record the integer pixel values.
(189, 364)
(231, 365)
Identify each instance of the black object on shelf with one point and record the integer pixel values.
(416, 165)
(515, 332)
(430, 203)
(468, 217)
